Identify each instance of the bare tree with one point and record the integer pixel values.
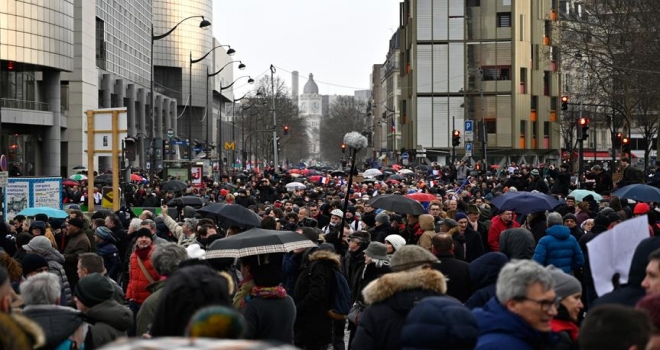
(346, 114)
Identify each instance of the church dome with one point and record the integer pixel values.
(310, 86)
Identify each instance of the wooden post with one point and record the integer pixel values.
(90, 161)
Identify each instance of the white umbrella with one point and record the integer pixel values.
(295, 186)
(372, 173)
(405, 171)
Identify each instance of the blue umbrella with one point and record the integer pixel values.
(638, 193)
(51, 212)
(580, 194)
(525, 202)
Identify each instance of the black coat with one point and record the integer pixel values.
(313, 296)
(483, 273)
(562, 182)
(472, 245)
(457, 273)
(353, 266)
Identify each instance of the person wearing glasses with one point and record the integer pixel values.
(520, 315)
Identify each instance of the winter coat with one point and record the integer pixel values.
(560, 249)
(630, 293)
(55, 265)
(76, 244)
(270, 319)
(110, 321)
(390, 298)
(498, 226)
(500, 329)
(291, 269)
(177, 231)
(537, 226)
(108, 251)
(562, 182)
(138, 282)
(353, 267)
(483, 273)
(370, 273)
(473, 247)
(145, 315)
(517, 243)
(380, 233)
(457, 273)
(57, 322)
(313, 296)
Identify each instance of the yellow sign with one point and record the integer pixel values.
(230, 146)
(107, 199)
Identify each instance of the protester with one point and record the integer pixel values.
(615, 327)
(558, 247)
(457, 272)
(569, 294)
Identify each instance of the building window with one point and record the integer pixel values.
(546, 83)
(472, 3)
(504, 19)
(491, 126)
(101, 54)
(523, 80)
(496, 73)
(534, 103)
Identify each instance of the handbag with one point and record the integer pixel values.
(356, 310)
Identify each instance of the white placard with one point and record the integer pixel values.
(17, 197)
(612, 252)
(47, 194)
(4, 178)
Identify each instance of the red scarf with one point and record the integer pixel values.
(568, 326)
(143, 253)
(277, 292)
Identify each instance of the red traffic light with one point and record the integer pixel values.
(619, 135)
(456, 133)
(343, 146)
(625, 140)
(584, 121)
(10, 65)
(564, 99)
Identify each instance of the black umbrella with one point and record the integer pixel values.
(397, 203)
(103, 179)
(193, 201)
(257, 241)
(638, 193)
(338, 173)
(174, 185)
(524, 202)
(397, 177)
(231, 215)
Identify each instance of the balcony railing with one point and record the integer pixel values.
(23, 104)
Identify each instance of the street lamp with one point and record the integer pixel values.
(230, 52)
(241, 66)
(222, 88)
(233, 123)
(204, 24)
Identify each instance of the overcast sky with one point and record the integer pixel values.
(337, 40)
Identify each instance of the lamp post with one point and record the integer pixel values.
(222, 88)
(233, 124)
(204, 24)
(241, 66)
(230, 52)
(272, 87)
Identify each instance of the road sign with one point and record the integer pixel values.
(405, 155)
(170, 133)
(230, 146)
(4, 176)
(468, 149)
(468, 130)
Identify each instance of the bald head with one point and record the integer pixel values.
(442, 243)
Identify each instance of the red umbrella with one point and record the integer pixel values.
(392, 181)
(397, 167)
(294, 171)
(136, 177)
(315, 178)
(422, 197)
(69, 182)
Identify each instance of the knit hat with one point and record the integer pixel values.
(411, 256)
(39, 244)
(32, 263)
(376, 250)
(93, 289)
(383, 218)
(363, 236)
(41, 217)
(460, 216)
(450, 223)
(337, 212)
(641, 209)
(104, 233)
(535, 172)
(217, 322)
(144, 232)
(601, 220)
(76, 222)
(565, 284)
(614, 217)
(396, 241)
(570, 216)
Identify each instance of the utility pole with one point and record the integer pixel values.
(272, 87)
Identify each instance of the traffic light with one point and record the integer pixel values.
(564, 103)
(617, 140)
(455, 138)
(286, 130)
(584, 128)
(343, 148)
(625, 145)
(279, 149)
(130, 148)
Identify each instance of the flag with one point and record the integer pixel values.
(393, 126)
(431, 183)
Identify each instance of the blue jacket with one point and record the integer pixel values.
(108, 251)
(500, 329)
(483, 273)
(559, 248)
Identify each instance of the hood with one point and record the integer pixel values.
(560, 232)
(54, 255)
(484, 269)
(453, 231)
(426, 223)
(39, 225)
(57, 322)
(113, 314)
(325, 255)
(393, 283)
(517, 243)
(25, 333)
(495, 318)
(641, 259)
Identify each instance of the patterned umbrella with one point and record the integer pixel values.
(257, 241)
(78, 177)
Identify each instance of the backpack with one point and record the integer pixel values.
(341, 301)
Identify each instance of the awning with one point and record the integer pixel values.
(600, 155)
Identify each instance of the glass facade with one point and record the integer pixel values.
(37, 32)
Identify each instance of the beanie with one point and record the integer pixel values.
(93, 289)
(565, 284)
(641, 209)
(32, 263)
(614, 217)
(460, 216)
(76, 222)
(104, 233)
(144, 232)
(396, 241)
(601, 220)
(411, 256)
(570, 216)
(383, 218)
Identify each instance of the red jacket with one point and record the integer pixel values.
(498, 226)
(138, 282)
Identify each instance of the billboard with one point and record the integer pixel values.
(22, 193)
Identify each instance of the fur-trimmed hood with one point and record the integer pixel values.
(21, 332)
(453, 231)
(393, 283)
(325, 255)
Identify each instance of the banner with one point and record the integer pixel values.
(22, 193)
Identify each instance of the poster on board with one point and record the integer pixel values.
(22, 193)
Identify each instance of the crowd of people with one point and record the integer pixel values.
(463, 275)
